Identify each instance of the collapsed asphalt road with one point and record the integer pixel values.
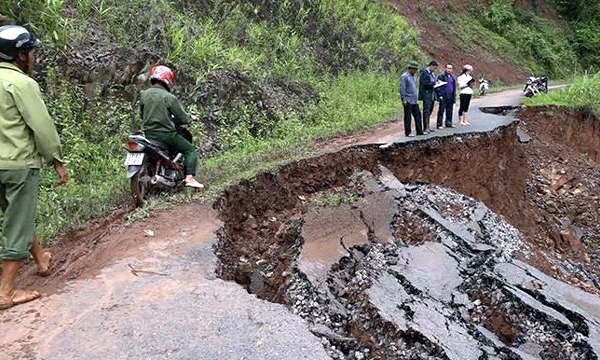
(375, 251)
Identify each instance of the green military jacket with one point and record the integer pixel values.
(27, 132)
(161, 111)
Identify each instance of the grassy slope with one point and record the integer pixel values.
(582, 92)
(349, 52)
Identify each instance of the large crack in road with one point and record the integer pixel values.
(475, 243)
(427, 250)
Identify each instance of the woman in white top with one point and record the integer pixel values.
(465, 84)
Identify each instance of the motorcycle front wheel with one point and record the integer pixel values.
(140, 183)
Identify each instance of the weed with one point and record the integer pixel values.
(349, 52)
(333, 200)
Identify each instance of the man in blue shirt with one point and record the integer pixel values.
(408, 95)
(447, 96)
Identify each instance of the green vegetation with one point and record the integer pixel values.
(352, 102)
(583, 92)
(333, 200)
(522, 37)
(584, 17)
(263, 79)
(344, 55)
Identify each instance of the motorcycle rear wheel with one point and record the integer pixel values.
(140, 184)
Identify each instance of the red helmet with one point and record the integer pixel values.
(467, 67)
(163, 74)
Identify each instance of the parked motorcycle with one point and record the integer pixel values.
(483, 86)
(535, 85)
(151, 169)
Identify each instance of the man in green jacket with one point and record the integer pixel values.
(28, 139)
(161, 114)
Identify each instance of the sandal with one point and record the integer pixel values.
(18, 297)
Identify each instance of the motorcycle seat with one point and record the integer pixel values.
(159, 144)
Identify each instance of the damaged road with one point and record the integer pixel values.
(459, 296)
(469, 243)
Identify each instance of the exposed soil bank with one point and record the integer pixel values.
(544, 183)
(489, 167)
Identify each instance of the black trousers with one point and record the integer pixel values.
(446, 107)
(427, 111)
(465, 101)
(414, 111)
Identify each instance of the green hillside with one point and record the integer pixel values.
(262, 79)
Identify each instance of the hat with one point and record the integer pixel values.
(413, 65)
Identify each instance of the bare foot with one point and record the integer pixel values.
(18, 297)
(44, 264)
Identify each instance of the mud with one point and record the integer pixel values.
(477, 245)
(425, 278)
(443, 45)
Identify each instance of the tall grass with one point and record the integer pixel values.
(349, 51)
(352, 102)
(93, 147)
(520, 37)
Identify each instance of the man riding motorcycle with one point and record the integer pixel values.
(162, 114)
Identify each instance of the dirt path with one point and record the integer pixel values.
(129, 295)
(161, 300)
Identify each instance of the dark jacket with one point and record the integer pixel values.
(426, 82)
(447, 92)
(161, 110)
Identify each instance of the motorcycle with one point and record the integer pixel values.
(483, 86)
(150, 169)
(535, 85)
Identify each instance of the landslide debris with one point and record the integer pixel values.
(434, 250)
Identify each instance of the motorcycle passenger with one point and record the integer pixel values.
(162, 113)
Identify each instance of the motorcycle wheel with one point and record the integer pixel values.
(529, 93)
(140, 184)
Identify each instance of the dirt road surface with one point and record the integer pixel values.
(150, 291)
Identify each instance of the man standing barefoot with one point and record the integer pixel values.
(28, 137)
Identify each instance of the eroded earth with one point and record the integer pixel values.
(469, 243)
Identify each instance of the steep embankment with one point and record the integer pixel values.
(332, 242)
(505, 41)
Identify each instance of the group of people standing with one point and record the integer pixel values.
(431, 88)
